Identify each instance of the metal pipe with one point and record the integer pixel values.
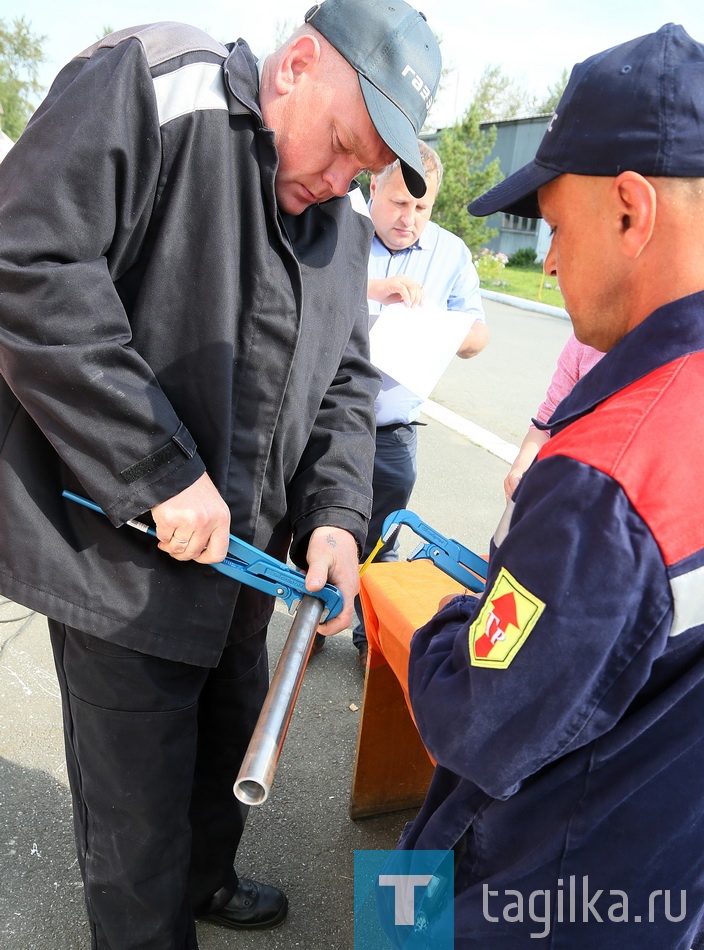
(256, 774)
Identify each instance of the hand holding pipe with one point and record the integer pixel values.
(250, 566)
(257, 569)
(256, 774)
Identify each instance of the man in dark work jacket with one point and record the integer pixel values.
(183, 333)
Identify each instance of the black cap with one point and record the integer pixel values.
(398, 62)
(635, 107)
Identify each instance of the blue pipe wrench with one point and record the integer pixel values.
(255, 568)
(463, 565)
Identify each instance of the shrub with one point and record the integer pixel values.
(490, 265)
(523, 257)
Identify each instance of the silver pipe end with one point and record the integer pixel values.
(250, 791)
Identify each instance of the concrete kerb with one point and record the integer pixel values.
(471, 431)
(533, 305)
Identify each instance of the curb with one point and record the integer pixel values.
(524, 304)
(470, 430)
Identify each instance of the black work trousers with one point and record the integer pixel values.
(153, 748)
(395, 473)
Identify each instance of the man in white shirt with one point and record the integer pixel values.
(412, 260)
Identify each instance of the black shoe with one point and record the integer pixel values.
(253, 906)
(318, 644)
(363, 650)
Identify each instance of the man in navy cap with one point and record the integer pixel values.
(183, 333)
(564, 706)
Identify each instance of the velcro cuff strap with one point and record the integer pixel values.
(181, 444)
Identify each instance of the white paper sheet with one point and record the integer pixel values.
(414, 345)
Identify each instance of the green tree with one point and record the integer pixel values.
(554, 93)
(498, 96)
(20, 56)
(464, 148)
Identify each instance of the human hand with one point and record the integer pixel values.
(444, 601)
(511, 481)
(332, 559)
(398, 289)
(195, 524)
(530, 446)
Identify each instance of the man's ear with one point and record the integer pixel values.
(636, 202)
(300, 55)
(372, 186)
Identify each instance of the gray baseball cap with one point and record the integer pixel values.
(398, 62)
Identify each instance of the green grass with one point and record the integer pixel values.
(529, 283)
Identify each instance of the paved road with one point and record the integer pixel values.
(501, 387)
(302, 838)
(460, 486)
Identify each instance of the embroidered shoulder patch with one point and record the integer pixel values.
(502, 627)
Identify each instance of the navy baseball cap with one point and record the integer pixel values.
(398, 62)
(635, 107)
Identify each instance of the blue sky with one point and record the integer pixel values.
(531, 40)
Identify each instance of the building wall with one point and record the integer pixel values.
(516, 143)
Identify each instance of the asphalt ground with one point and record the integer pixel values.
(302, 838)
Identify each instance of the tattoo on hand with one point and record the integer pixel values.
(331, 541)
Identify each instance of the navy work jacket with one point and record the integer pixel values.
(565, 707)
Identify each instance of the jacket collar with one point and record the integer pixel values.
(242, 80)
(669, 333)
